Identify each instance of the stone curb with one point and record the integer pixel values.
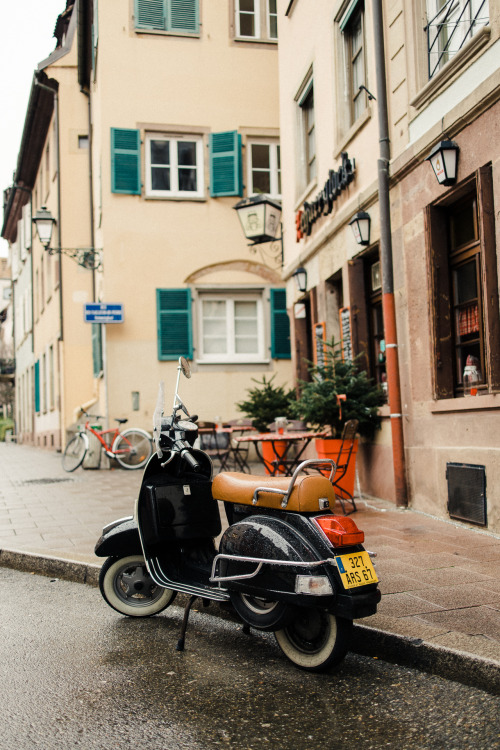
(409, 652)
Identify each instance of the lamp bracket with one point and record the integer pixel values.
(87, 257)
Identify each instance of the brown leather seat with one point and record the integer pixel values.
(235, 487)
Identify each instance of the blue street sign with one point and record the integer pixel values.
(102, 312)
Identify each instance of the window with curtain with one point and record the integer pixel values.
(464, 285)
(231, 327)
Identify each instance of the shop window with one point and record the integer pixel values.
(462, 265)
(367, 323)
(376, 322)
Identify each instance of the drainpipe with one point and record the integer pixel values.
(388, 305)
(91, 190)
(59, 222)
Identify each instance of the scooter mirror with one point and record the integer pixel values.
(185, 367)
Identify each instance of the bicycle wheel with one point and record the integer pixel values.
(132, 448)
(74, 453)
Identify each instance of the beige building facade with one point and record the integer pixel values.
(165, 120)
(441, 72)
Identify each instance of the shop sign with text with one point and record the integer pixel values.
(322, 205)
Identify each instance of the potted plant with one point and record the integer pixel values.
(319, 403)
(265, 402)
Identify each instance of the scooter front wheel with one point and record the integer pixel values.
(126, 586)
(316, 640)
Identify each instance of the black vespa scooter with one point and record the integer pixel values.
(285, 562)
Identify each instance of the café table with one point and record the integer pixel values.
(280, 460)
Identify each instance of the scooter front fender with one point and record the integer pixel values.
(119, 538)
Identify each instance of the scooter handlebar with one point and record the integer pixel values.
(191, 460)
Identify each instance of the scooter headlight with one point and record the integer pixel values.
(314, 585)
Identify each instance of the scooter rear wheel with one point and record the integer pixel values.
(316, 640)
(262, 614)
(126, 586)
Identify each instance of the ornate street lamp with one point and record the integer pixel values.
(44, 222)
(260, 220)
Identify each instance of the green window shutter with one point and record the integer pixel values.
(97, 349)
(280, 325)
(225, 164)
(183, 16)
(37, 386)
(173, 307)
(95, 32)
(150, 14)
(125, 161)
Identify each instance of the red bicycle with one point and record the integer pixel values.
(131, 448)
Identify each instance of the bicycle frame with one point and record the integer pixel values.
(108, 448)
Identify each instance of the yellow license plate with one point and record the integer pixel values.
(356, 569)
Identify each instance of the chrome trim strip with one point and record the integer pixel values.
(204, 592)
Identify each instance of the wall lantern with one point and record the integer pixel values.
(360, 224)
(300, 276)
(444, 161)
(44, 222)
(259, 217)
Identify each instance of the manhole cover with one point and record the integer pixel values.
(47, 480)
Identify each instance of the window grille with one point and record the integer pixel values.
(454, 22)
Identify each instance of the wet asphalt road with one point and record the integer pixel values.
(74, 673)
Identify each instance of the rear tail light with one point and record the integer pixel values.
(340, 531)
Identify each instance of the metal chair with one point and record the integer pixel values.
(239, 451)
(344, 456)
(216, 444)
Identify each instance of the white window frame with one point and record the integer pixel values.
(174, 192)
(269, 14)
(352, 98)
(304, 132)
(261, 10)
(256, 16)
(231, 356)
(274, 145)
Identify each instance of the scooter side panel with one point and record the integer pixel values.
(271, 539)
(119, 540)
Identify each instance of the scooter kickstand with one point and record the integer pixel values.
(187, 610)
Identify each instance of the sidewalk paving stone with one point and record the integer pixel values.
(440, 580)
